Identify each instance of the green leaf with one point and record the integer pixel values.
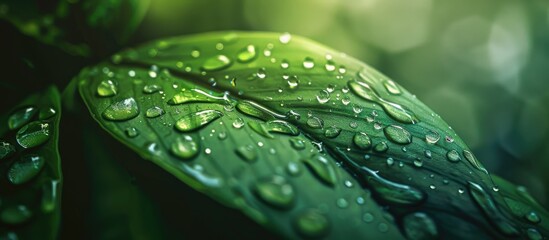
(77, 27)
(233, 114)
(30, 167)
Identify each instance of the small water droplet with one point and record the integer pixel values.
(368, 217)
(428, 154)
(152, 88)
(391, 87)
(533, 217)
(185, 147)
(533, 234)
(216, 63)
(196, 120)
(284, 64)
(311, 224)
(122, 110)
(362, 141)
(418, 162)
(49, 195)
(323, 96)
(247, 54)
(330, 66)
(332, 132)
(275, 191)
(132, 132)
(398, 134)
(473, 161)
(107, 88)
(248, 153)
(195, 53)
(6, 150)
(390, 161)
(46, 113)
(297, 144)
(285, 38)
(308, 63)
(453, 156)
(154, 112)
(21, 117)
(342, 203)
(26, 168)
(238, 123)
(15, 215)
(381, 147)
(33, 134)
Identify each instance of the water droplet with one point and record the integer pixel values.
(247, 153)
(297, 144)
(247, 54)
(293, 82)
(26, 168)
(391, 87)
(418, 162)
(473, 161)
(275, 191)
(308, 63)
(342, 203)
(533, 234)
(46, 113)
(453, 156)
(284, 64)
(33, 134)
(432, 137)
(285, 38)
(107, 88)
(238, 123)
(394, 110)
(323, 96)
(152, 88)
(216, 63)
(488, 206)
(185, 147)
(362, 141)
(195, 53)
(279, 126)
(390, 161)
(132, 132)
(315, 122)
(330, 66)
(49, 195)
(381, 147)
(392, 192)
(21, 117)
(122, 110)
(321, 168)
(332, 132)
(311, 224)
(154, 112)
(197, 120)
(345, 100)
(261, 73)
(533, 217)
(368, 217)
(428, 154)
(6, 150)
(15, 215)
(419, 226)
(398, 134)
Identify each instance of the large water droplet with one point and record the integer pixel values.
(33, 134)
(24, 169)
(533, 234)
(311, 224)
(362, 141)
(275, 191)
(248, 153)
(196, 95)
(308, 63)
(394, 110)
(21, 117)
(315, 122)
(332, 132)
(122, 110)
(321, 168)
(532, 217)
(391, 87)
(154, 112)
(107, 88)
(217, 63)
(474, 161)
(453, 156)
(247, 54)
(419, 226)
(487, 205)
(132, 132)
(397, 134)
(280, 126)
(6, 150)
(185, 147)
(238, 123)
(46, 113)
(323, 96)
(432, 137)
(197, 120)
(15, 215)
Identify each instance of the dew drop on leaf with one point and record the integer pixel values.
(46, 113)
(453, 156)
(308, 63)
(247, 153)
(397, 134)
(321, 168)
(26, 168)
(285, 38)
(315, 122)
(362, 141)
(154, 112)
(49, 195)
(196, 120)
(185, 147)
(6, 150)
(381, 147)
(432, 137)
(391, 87)
(33, 134)
(21, 117)
(297, 144)
(311, 224)
(131, 132)
(216, 63)
(275, 191)
(419, 226)
(247, 54)
(15, 215)
(151, 88)
(107, 88)
(122, 110)
(238, 123)
(332, 132)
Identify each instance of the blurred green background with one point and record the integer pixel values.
(482, 65)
